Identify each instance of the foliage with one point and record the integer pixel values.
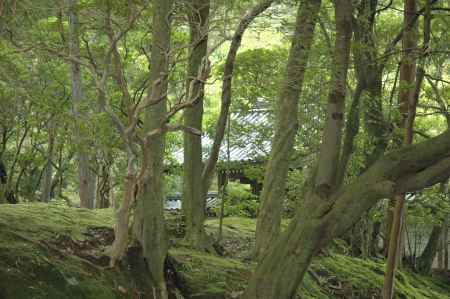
(239, 201)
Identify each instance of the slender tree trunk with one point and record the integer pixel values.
(351, 131)
(86, 176)
(246, 20)
(445, 242)
(46, 185)
(374, 248)
(292, 252)
(269, 217)
(407, 110)
(394, 246)
(425, 261)
(193, 193)
(3, 181)
(104, 183)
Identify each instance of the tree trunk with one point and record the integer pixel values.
(104, 183)
(198, 235)
(425, 261)
(269, 217)
(85, 174)
(3, 181)
(46, 185)
(374, 248)
(407, 110)
(292, 252)
(246, 20)
(445, 244)
(394, 246)
(193, 193)
(318, 221)
(154, 237)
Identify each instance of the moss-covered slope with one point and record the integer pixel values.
(49, 251)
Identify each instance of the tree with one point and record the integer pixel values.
(193, 193)
(407, 110)
(210, 165)
(269, 217)
(48, 170)
(154, 237)
(85, 174)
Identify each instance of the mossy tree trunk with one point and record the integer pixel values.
(293, 250)
(269, 217)
(318, 221)
(194, 200)
(154, 237)
(327, 213)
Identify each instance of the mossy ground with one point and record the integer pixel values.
(50, 251)
(37, 258)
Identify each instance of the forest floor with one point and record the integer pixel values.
(55, 252)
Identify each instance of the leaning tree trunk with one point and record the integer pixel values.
(85, 174)
(320, 220)
(309, 230)
(269, 217)
(193, 199)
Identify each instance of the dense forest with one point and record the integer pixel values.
(254, 149)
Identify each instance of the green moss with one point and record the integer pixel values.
(209, 276)
(363, 278)
(37, 261)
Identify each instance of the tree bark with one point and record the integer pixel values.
(154, 237)
(86, 176)
(319, 221)
(196, 216)
(407, 107)
(292, 252)
(193, 193)
(46, 186)
(425, 261)
(269, 217)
